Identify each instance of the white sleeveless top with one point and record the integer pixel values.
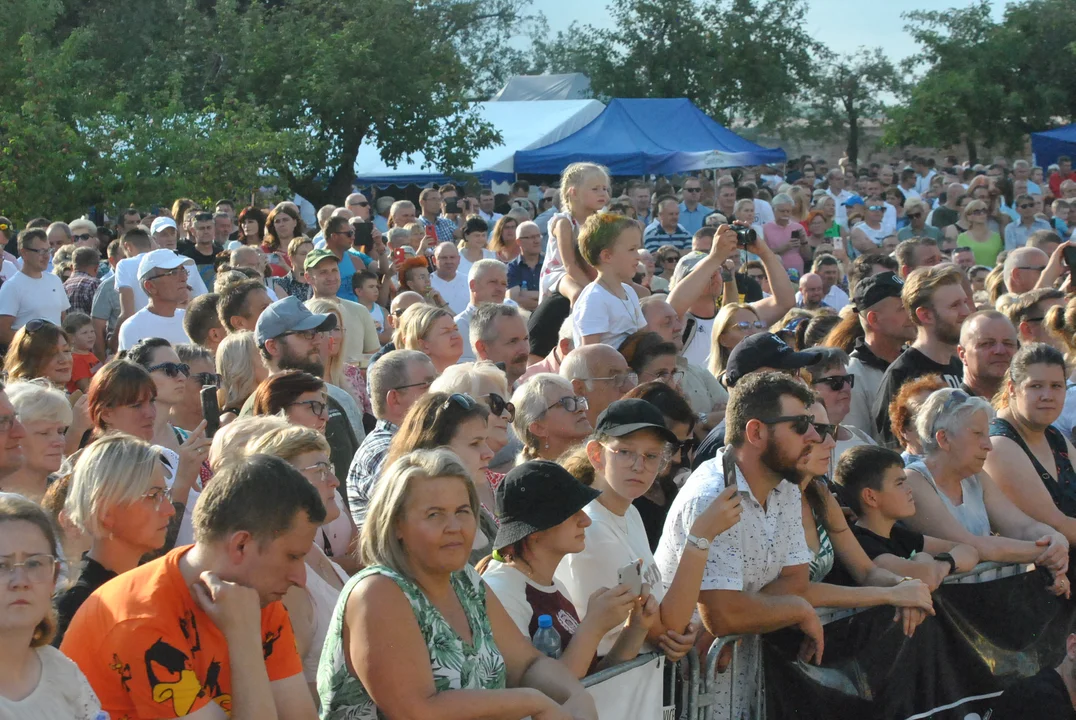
(972, 512)
(553, 266)
(323, 597)
(876, 236)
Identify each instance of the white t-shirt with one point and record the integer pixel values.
(612, 543)
(697, 350)
(763, 212)
(8, 271)
(463, 324)
(62, 692)
(599, 312)
(457, 293)
(144, 324)
(378, 314)
(26, 298)
(465, 266)
(127, 276)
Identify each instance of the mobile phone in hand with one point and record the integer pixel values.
(399, 255)
(631, 575)
(210, 410)
(1069, 254)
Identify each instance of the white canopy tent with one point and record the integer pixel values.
(522, 125)
(570, 86)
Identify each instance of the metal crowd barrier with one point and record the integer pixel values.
(693, 686)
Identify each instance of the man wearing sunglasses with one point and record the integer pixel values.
(1017, 233)
(757, 571)
(164, 275)
(692, 212)
(1023, 268)
(33, 292)
(339, 237)
(358, 205)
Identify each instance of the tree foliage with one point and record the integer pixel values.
(850, 89)
(987, 82)
(128, 101)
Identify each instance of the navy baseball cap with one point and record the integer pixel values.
(765, 350)
(289, 315)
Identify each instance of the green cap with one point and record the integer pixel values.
(316, 256)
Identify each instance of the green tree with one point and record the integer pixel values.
(849, 90)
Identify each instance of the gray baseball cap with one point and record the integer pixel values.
(289, 315)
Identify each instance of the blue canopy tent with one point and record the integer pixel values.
(1049, 145)
(649, 137)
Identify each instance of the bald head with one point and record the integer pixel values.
(953, 192)
(586, 366)
(812, 290)
(1022, 268)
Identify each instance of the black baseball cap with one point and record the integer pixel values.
(623, 417)
(876, 288)
(765, 350)
(536, 496)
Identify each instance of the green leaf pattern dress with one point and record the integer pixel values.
(456, 665)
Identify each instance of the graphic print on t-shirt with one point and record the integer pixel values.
(556, 606)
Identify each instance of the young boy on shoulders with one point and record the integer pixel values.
(607, 310)
(874, 483)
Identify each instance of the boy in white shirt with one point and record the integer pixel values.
(607, 310)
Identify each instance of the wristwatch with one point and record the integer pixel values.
(701, 543)
(946, 557)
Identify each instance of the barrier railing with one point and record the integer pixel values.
(722, 688)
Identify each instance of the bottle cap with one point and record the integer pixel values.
(545, 621)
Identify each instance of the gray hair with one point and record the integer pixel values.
(1021, 165)
(782, 199)
(939, 413)
(482, 266)
(828, 358)
(484, 318)
(526, 225)
(400, 204)
(116, 469)
(531, 404)
(467, 377)
(67, 229)
(189, 352)
(398, 237)
(36, 400)
(230, 442)
(384, 204)
(575, 367)
(379, 542)
(388, 373)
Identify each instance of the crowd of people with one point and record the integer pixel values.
(255, 468)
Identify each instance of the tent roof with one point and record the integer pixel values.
(649, 136)
(570, 86)
(522, 125)
(1048, 145)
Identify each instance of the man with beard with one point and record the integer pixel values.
(880, 315)
(287, 337)
(756, 572)
(934, 297)
(987, 345)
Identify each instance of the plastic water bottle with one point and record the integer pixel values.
(546, 639)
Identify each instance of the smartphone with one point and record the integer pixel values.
(210, 410)
(399, 255)
(631, 575)
(1069, 253)
(431, 232)
(364, 234)
(452, 207)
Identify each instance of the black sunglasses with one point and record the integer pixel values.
(171, 369)
(692, 190)
(824, 429)
(35, 325)
(836, 383)
(81, 237)
(1026, 206)
(464, 401)
(497, 406)
(800, 424)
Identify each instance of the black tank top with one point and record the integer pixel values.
(1062, 489)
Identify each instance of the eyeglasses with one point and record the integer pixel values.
(309, 335)
(316, 406)
(977, 212)
(36, 250)
(81, 237)
(1036, 268)
(686, 449)
(571, 403)
(498, 405)
(157, 496)
(423, 384)
(651, 462)
(800, 423)
(668, 377)
(876, 208)
(35, 325)
(208, 379)
(39, 568)
(323, 469)
(693, 190)
(6, 423)
(464, 401)
(1026, 206)
(824, 429)
(181, 270)
(836, 383)
(348, 233)
(361, 204)
(745, 325)
(671, 259)
(171, 369)
(913, 216)
(955, 399)
(620, 379)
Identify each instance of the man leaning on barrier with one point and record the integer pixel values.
(757, 570)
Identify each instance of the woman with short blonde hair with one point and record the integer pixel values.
(985, 243)
(734, 323)
(432, 330)
(46, 414)
(241, 371)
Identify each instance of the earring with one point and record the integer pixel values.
(546, 444)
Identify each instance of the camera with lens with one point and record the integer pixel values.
(745, 235)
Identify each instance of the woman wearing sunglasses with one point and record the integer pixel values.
(39, 681)
(486, 383)
(829, 377)
(460, 423)
(550, 418)
(862, 583)
(985, 242)
(40, 349)
(955, 500)
(734, 323)
(867, 235)
(118, 497)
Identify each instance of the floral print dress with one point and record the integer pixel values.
(456, 665)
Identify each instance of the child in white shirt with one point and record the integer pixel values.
(607, 310)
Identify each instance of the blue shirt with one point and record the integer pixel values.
(655, 236)
(522, 275)
(446, 229)
(1016, 234)
(381, 223)
(347, 271)
(692, 221)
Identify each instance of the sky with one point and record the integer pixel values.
(833, 22)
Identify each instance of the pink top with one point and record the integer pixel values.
(777, 235)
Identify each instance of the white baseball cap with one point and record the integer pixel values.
(161, 223)
(162, 259)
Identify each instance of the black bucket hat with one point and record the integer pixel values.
(536, 496)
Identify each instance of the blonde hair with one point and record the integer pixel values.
(574, 176)
(600, 232)
(226, 279)
(973, 205)
(467, 377)
(531, 404)
(719, 354)
(923, 282)
(379, 543)
(334, 366)
(116, 469)
(236, 356)
(288, 443)
(231, 440)
(38, 400)
(415, 323)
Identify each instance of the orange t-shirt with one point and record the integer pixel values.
(82, 365)
(149, 650)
